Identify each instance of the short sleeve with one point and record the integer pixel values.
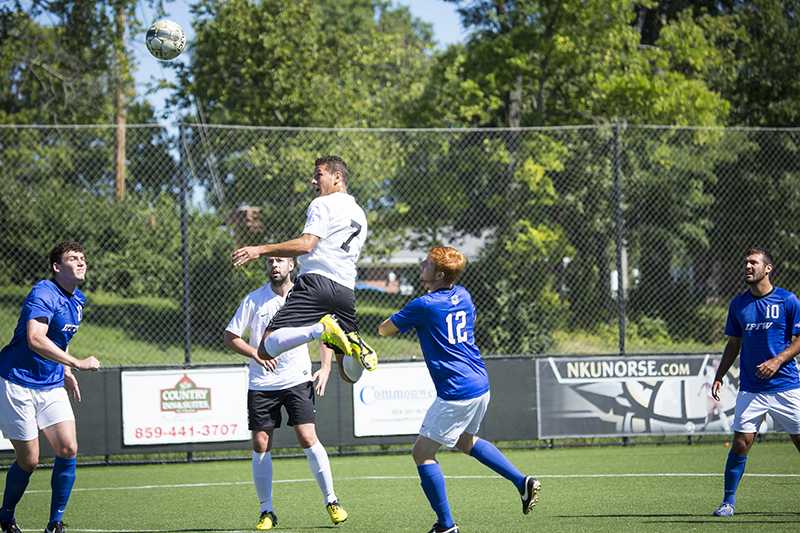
(409, 316)
(240, 320)
(39, 304)
(792, 318)
(317, 219)
(732, 326)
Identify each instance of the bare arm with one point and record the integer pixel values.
(301, 245)
(387, 328)
(728, 357)
(238, 345)
(39, 342)
(320, 377)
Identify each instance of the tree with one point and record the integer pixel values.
(560, 63)
(355, 63)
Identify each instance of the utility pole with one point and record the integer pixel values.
(121, 76)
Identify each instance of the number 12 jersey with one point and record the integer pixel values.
(445, 322)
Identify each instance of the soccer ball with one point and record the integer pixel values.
(165, 39)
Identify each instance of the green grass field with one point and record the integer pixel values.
(637, 488)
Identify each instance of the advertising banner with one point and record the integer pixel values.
(633, 395)
(5, 444)
(181, 406)
(392, 400)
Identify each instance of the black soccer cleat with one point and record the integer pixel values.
(55, 527)
(530, 494)
(10, 527)
(439, 529)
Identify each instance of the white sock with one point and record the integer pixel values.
(284, 339)
(321, 468)
(262, 478)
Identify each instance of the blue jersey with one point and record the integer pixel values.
(444, 321)
(63, 312)
(766, 326)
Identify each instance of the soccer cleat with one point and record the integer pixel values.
(725, 509)
(333, 336)
(531, 494)
(55, 527)
(363, 351)
(336, 512)
(266, 521)
(439, 529)
(10, 527)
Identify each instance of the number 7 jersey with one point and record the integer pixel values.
(341, 226)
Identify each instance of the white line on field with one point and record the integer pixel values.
(395, 478)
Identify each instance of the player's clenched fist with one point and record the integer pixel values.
(90, 363)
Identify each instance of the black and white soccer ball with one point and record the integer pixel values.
(165, 39)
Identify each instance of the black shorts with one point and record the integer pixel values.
(264, 407)
(312, 297)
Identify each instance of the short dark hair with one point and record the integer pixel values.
(764, 253)
(333, 163)
(60, 249)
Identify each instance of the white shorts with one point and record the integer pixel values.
(446, 420)
(24, 411)
(752, 408)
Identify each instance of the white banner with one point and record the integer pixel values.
(392, 400)
(5, 444)
(180, 406)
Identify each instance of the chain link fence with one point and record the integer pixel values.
(595, 239)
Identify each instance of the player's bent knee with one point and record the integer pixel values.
(466, 442)
(422, 456)
(27, 462)
(67, 452)
(307, 441)
(742, 442)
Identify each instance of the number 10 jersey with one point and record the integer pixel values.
(341, 226)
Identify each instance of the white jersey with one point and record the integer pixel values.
(341, 226)
(254, 314)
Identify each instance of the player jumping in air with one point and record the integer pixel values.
(444, 320)
(763, 327)
(321, 304)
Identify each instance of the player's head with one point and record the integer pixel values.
(68, 263)
(330, 175)
(279, 269)
(442, 267)
(758, 265)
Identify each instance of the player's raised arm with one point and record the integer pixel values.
(730, 354)
(387, 328)
(293, 248)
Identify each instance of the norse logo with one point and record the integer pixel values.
(186, 397)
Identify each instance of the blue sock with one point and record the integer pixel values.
(61, 482)
(734, 470)
(16, 483)
(488, 454)
(432, 481)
